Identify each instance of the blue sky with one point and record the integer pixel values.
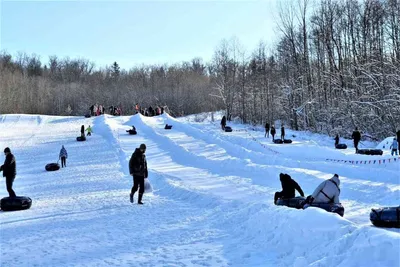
(133, 32)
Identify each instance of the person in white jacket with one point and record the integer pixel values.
(327, 192)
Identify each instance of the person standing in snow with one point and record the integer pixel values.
(336, 140)
(282, 133)
(327, 192)
(394, 146)
(63, 156)
(138, 169)
(273, 132)
(89, 131)
(398, 136)
(9, 169)
(223, 122)
(356, 138)
(288, 188)
(83, 131)
(266, 130)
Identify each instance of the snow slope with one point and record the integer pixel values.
(212, 203)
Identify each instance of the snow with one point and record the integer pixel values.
(211, 202)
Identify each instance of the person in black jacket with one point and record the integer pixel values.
(398, 136)
(138, 169)
(282, 133)
(336, 140)
(266, 130)
(273, 132)
(83, 131)
(288, 188)
(356, 138)
(223, 122)
(9, 169)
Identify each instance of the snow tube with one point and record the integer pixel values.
(329, 207)
(80, 138)
(370, 152)
(133, 132)
(385, 217)
(168, 127)
(287, 141)
(228, 129)
(87, 116)
(52, 167)
(341, 146)
(278, 141)
(15, 203)
(296, 202)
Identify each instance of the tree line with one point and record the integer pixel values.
(336, 66)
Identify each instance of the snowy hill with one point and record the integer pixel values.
(212, 203)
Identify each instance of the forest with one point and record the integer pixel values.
(335, 66)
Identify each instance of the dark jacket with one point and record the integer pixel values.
(273, 131)
(336, 140)
(282, 130)
(356, 135)
(82, 129)
(9, 167)
(138, 164)
(223, 121)
(267, 127)
(289, 186)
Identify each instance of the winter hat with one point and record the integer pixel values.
(143, 146)
(7, 150)
(335, 175)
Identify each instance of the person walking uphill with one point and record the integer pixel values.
(282, 133)
(138, 169)
(356, 138)
(9, 169)
(63, 156)
(266, 130)
(223, 122)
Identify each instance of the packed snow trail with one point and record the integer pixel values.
(211, 204)
(360, 189)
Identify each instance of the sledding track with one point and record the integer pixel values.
(211, 204)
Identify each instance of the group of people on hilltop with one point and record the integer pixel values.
(326, 192)
(96, 110)
(115, 110)
(150, 111)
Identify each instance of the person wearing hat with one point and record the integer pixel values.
(327, 192)
(9, 169)
(138, 169)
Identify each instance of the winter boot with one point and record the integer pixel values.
(131, 197)
(140, 199)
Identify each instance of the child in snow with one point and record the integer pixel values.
(89, 131)
(394, 146)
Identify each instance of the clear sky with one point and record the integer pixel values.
(133, 32)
